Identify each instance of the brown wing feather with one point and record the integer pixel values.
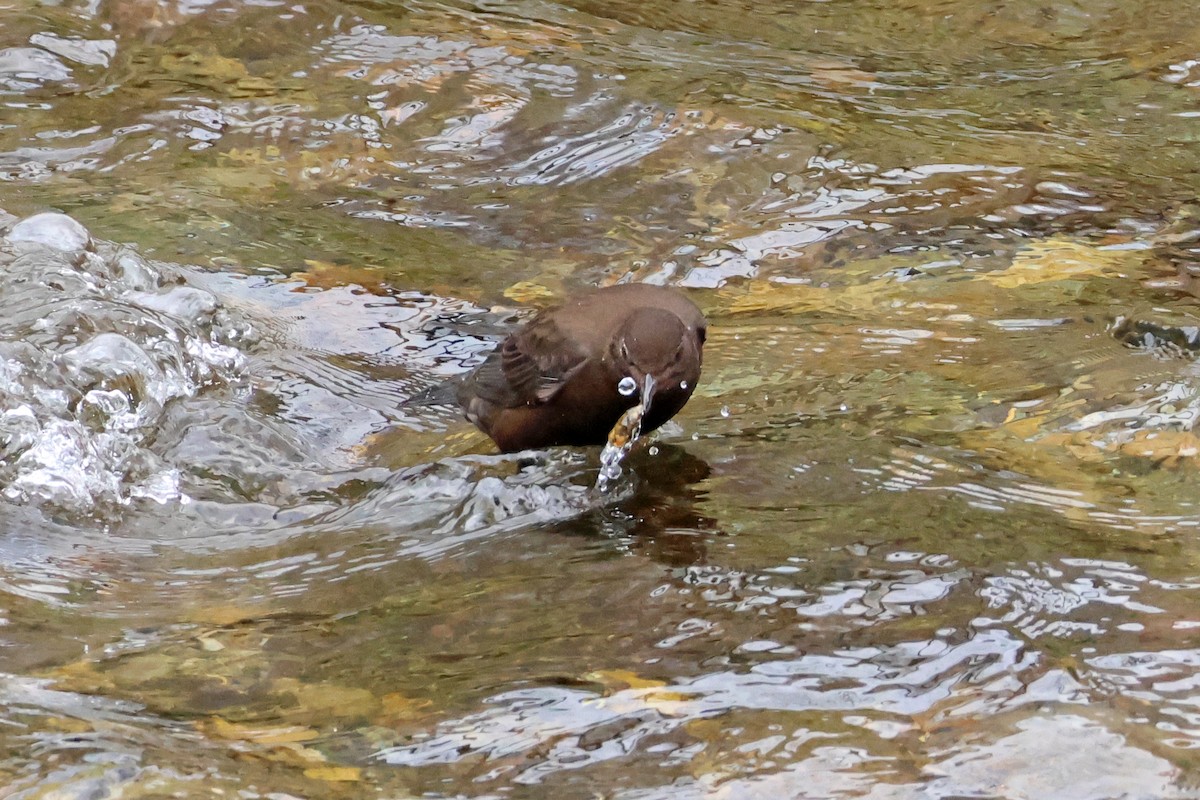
(527, 368)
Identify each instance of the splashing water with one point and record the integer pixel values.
(620, 442)
(95, 344)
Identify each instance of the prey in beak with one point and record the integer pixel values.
(629, 425)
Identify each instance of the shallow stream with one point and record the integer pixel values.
(927, 529)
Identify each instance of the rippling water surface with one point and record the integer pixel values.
(928, 528)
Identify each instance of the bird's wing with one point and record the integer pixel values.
(530, 367)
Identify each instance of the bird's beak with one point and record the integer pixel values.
(647, 392)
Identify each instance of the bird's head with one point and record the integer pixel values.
(654, 351)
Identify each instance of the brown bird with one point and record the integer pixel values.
(567, 376)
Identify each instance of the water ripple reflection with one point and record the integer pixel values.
(925, 530)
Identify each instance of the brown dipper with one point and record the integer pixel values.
(567, 376)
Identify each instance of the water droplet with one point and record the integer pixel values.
(724, 411)
(683, 385)
(653, 449)
(627, 386)
(610, 466)
(610, 472)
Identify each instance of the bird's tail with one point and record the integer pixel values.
(440, 394)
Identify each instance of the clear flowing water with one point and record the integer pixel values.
(928, 527)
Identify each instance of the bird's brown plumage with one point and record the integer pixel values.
(555, 380)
